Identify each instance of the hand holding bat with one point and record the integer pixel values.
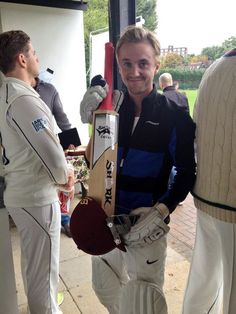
(92, 98)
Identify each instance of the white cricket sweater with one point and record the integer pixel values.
(215, 117)
(34, 161)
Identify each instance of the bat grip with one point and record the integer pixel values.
(108, 75)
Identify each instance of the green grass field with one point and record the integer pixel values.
(191, 95)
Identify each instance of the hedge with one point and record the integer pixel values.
(188, 79)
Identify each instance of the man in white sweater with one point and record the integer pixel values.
(212, 278)
(34, 167)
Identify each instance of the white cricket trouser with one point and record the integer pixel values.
(213, 268)
(145, 263)
(39, 230)
(8, 299)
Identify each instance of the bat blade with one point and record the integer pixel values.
(102, 181)
(103, 161)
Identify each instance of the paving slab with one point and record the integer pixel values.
(175, 281)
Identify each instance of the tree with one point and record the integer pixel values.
(95, 18)
(200, 58)
(213, 52)
(229, 43)
(171, 60)
(147, 9)
(216, 52)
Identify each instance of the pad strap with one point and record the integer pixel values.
(120, 225)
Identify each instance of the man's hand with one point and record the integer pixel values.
(95, 95)
(149, 227)
(71, 147)
(92, 98)
(69, 186)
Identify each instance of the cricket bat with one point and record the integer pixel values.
(103, 159)
(91, 229)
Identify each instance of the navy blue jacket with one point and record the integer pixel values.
(163, 137)
(180, 99)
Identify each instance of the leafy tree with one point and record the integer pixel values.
(95, 18)
(200, 58)
(229, 43)
(171, 60)
(213, 52)
(216, 52)
(187, 59)
(147, 9)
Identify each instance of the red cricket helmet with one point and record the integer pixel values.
(89, 228)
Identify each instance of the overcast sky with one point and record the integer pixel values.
(195, 24)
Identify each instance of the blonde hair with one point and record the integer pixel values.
(165, 79)
(137, 34)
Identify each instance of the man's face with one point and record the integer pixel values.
(137, 66)
(32, 62)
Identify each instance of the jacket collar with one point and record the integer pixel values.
(147, 100)
(168, 88)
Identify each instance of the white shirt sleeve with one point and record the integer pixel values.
(33, 121)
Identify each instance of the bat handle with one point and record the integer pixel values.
(108, 75)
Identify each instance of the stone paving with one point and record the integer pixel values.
(182, 228)
(75, 267)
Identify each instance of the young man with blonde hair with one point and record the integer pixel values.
(153, 136)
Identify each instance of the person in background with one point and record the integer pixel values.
(170, 91)
(34, 168)
(212, 276)
(153, 136)
(51, 97)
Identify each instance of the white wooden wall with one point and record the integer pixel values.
(58, 37)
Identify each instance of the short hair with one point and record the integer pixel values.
(11, 44)
(166, 79)
(137, 34)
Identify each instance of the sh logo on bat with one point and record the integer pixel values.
(104, 131)
(109, 182)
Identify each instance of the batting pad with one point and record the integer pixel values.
(106, 284)
(141, 297)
